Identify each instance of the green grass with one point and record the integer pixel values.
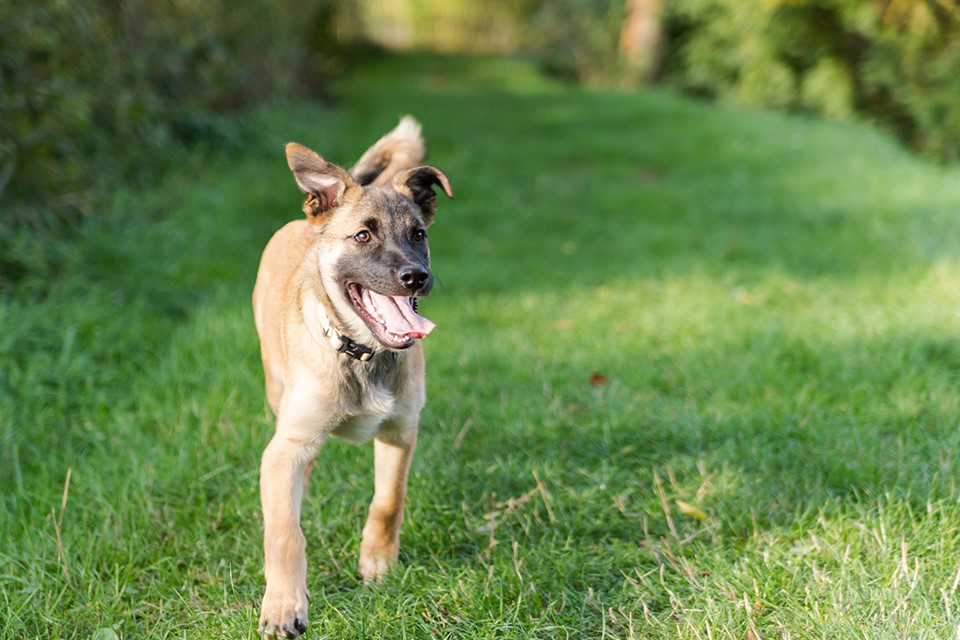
(695, 376)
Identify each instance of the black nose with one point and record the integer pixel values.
(413, 277)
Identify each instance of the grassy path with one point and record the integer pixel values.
(695, 376)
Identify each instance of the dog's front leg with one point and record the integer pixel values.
(381, 534)
(282, 472)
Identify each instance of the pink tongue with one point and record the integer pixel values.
(397, 314)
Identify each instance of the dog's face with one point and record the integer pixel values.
(372, 252)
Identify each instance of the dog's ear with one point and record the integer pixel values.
(322, 181)
(399, 149)
(418, 184)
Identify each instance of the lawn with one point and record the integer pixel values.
(695, 376)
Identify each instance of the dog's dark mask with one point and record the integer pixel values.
(373, 242)
(385, 266)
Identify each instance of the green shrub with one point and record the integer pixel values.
(578, 39)
(827, 89)
(91, 88)
(894, 63)
(74, 72)
(911, 79)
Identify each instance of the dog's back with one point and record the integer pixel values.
(282, 259)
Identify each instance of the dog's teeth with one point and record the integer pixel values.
(368, 302)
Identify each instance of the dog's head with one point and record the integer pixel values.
(372, 251)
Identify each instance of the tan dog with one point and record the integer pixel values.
(335, 309)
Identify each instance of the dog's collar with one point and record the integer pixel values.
(342, 343)
(354, 350)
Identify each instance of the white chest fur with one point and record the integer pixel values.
(361, 423)
(358, 429)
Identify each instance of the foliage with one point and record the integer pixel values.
(573, 39)
(890, 61)
(444, 25)
(91, 88)
(578, 39)
(695, 375)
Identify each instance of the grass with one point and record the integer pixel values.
(695, 376)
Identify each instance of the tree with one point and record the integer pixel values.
(640, 38)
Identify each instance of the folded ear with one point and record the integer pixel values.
(322, 181)
(418, 183)
(399, 149)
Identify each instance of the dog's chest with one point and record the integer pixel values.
(362, 420)
(358, 429)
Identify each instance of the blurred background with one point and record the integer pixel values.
(92, 89)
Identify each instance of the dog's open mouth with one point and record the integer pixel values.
(391, 318)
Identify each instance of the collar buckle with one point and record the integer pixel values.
(340, 342)
(353, 349)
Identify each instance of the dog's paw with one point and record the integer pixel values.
(283, 616)
(376, 560)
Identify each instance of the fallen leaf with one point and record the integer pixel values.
(688, 509)
(598, 379)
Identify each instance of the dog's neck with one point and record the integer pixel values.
(315, 313)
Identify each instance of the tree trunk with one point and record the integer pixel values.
(640, 38)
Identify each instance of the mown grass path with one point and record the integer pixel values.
(695, 376)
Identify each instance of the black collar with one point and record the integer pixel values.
(340, 342)
(344, 344)
(353, 349)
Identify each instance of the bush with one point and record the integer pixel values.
(577, 39)
(894, 63)
(87, 87)
(76, 72)
(827, 89)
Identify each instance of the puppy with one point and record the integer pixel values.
(335, 305)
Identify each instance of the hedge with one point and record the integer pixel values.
(90, 88)
(75, 73)
(893, 62)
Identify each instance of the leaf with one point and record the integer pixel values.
(688, 509)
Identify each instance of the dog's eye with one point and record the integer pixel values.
(419, 235)
(363, 237)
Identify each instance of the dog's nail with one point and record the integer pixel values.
(300, 625)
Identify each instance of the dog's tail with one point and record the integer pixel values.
(400, 149)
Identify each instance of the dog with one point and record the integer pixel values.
(335, 306)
